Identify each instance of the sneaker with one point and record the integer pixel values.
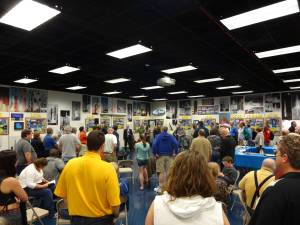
(158, 190)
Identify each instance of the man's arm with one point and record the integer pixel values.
(28, 157)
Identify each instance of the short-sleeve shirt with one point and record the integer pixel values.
(53, 168)
(68, 144)
(90, 186)
(49, 142)
(23, 146)
(110, 143)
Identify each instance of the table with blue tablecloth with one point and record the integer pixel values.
(249, 159)
(266, 149)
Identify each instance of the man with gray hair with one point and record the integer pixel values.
(227, 144)
(69, 145)
(280, 203)
(254, 183)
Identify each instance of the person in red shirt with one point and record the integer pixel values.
(82, 135)
(267, 133)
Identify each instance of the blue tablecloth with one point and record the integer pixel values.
(252, 160)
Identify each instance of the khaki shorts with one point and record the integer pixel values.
(163, 163)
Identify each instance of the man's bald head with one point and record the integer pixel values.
(269, 163)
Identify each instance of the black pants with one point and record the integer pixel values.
(81, 220)
(129, 143)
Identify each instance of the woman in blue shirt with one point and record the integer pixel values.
(142, 149)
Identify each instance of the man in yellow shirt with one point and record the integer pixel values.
(90, 186)
(248, 186)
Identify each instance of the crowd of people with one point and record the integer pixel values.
(194, 177)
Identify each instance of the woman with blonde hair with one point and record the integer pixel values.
(189, 196)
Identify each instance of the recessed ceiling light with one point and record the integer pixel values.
(28, 15)
(208, 80)
(129, 51)
(139, 96)
(151, 87)
(25, 81)
(229, 87)
(286, 70)
(76, 88)
(196, 96)
(159, 99)
(64, 70)
(179, 69)
(117, 80)
(177, 92)
(112, 93)
(280, 51)
(291, 80)
(269, 12)
(241, 92)
(292, 88)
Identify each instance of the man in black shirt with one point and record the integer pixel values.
(228, 143)
(280, 203)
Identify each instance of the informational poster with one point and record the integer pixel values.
(145, 108)
(185, 107)
(104, 104)
(4, 99)
(119, 121)
(36, 124)
(129, 112)
(75, 110)
(286, 106)
(105, 120)
(28, 100)
(86, 103)
(16, 116)
(4, 125)
(224, 104)
(136, 125)
(64, 118)
(171, 109)
(158, 108)
(52, 114)
(236, 104)
(254, 104)
(95, 105)
(121, 106)
(207, 106)
(272, 102)
(185, 124)
(224, 118)
(295, 105)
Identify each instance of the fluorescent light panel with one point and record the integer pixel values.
(269, 12)
(242, 92)
(293, 88)
(28, 15)
(112, 93)
(117, 80)
(177, 92)
(208, 80)
(151, 87)
(228, 87)
(179, 69)
(159, 99)
(139, 96)
(64, 70)
(129, 51)
(286, 70)
(76, 88)
(196, 96)
(280, 51)
(25, 81)
(291, 80)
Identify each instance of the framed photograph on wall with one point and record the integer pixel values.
(52, 114)
(75, 110)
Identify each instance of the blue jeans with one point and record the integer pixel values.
(46, 197)
(80, 220)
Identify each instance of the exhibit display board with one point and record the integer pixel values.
(255, 120)
(4, 125)
(119, 121)
(36, 123)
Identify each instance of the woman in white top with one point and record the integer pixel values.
(32, 180)
(189, 197)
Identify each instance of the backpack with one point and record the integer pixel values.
(271, 135)
(246, 134)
